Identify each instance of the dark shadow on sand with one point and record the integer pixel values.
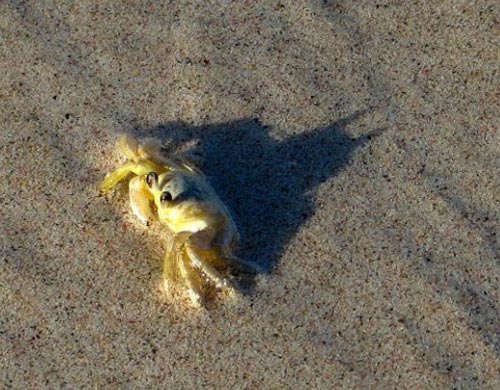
(267, 184)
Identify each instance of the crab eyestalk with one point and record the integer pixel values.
(152, 179)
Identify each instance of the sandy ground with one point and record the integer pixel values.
(357, 144)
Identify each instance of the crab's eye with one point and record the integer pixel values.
(166, 197)
(151, 178)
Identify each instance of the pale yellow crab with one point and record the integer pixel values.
(201, 230)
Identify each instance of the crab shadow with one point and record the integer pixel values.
(268, 184)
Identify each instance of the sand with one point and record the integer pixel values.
(357, 144)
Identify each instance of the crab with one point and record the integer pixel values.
(201, 235)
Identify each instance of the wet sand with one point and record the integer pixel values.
(357, 146)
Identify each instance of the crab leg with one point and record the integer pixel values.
(187, 274)
(171, 262)
(176, 264)
(207, 268)
(244, 265)
(142, 167)
(113, 178)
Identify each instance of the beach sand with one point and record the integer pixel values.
(356, 143)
